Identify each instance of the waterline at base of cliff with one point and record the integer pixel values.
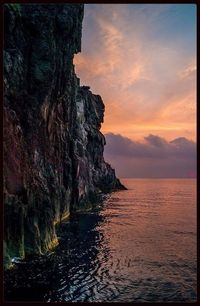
(139, 245)
(53, 147)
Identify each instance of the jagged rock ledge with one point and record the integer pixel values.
(53, 147)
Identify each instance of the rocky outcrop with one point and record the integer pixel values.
(53, 147)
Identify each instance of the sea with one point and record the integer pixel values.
(139, 245)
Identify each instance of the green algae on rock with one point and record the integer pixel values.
(53, 147)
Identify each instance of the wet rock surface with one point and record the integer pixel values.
(53, 147)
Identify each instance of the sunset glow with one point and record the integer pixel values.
(141, 58)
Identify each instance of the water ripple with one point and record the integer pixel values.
(140, 246)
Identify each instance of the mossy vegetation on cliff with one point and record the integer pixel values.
(53, 147)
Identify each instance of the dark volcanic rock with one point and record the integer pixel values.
(53, 149)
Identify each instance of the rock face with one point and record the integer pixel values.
(53, 147)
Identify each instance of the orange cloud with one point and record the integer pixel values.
(148, 86)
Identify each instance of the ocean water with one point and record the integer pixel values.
(138, 246)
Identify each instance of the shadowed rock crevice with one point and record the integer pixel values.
(53, 147)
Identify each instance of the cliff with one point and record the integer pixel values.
(53, 147)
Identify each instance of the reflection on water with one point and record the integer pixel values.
(140, 246)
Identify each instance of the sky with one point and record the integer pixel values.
(141, 59)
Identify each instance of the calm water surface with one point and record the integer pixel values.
(139, 246)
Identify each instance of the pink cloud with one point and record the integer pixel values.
(148, 86)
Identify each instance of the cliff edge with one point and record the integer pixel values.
(53, 147)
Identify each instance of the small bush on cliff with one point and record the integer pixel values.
(16, 7)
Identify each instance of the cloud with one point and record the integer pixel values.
(144, 67)
(189, 72)
(156, 141)
(152, 157)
